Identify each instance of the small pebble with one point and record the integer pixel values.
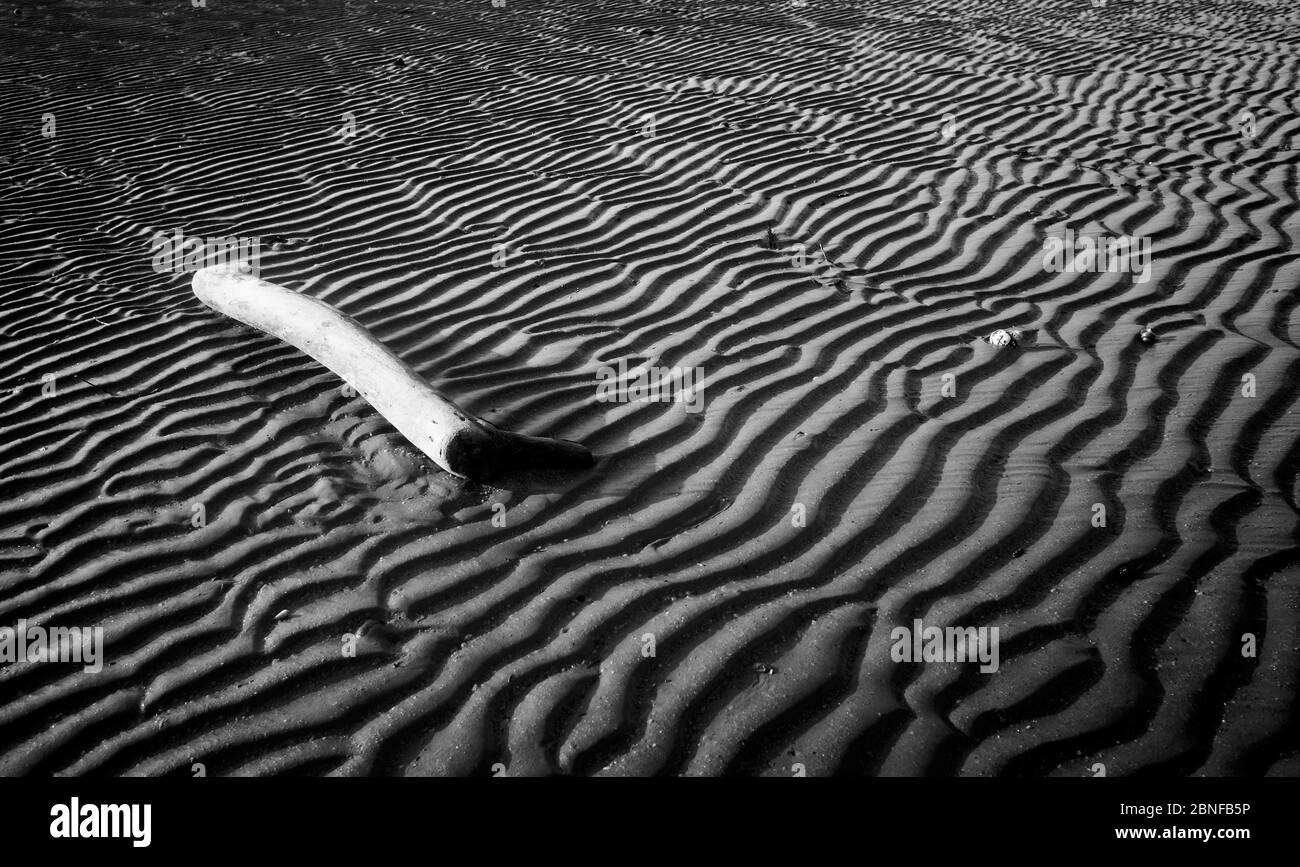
(1003, 337)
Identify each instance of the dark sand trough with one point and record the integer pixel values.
(824, 208)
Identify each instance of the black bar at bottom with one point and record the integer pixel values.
(369, 817)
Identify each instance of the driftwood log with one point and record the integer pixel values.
(461, 444)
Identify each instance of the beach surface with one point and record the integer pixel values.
(819, 211)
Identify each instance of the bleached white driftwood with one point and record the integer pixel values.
(461, 444)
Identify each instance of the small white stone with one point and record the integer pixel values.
(1002, 337)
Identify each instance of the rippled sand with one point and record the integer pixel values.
(824, 208)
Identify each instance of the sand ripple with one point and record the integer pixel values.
(627, 159)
